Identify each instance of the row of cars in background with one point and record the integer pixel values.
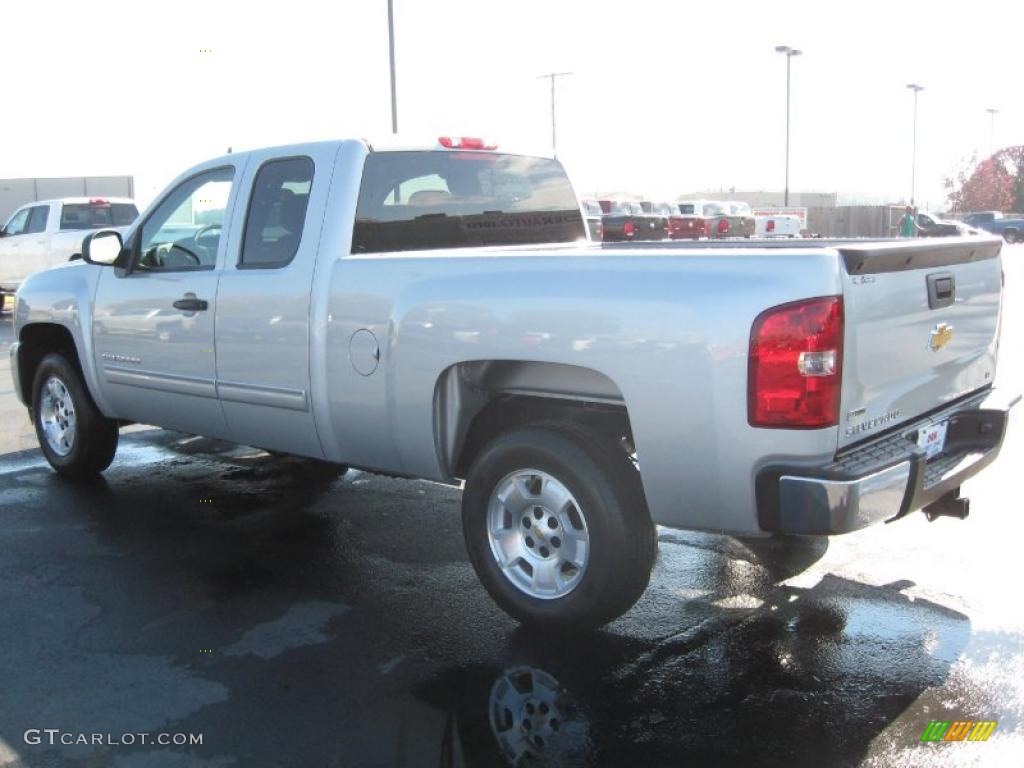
(625, 220)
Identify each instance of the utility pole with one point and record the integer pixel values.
(789, 54)
(913, 147)
(992, 112)
(552, 76)
(391, 51)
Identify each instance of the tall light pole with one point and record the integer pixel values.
(552, 76)
(391, 51)
(992, 112)
(913, 146)
(789, 54)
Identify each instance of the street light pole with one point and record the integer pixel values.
(992, 112)
(789, 53)
(391, 51)
(913, 147)
(551, 76)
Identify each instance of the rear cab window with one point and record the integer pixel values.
(410, 201)
(96, 214)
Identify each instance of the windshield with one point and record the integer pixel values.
(739, 209)
(714, 209)
(592, 207)
(97, 215)
(411, 201)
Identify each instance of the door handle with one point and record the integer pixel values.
(191, 304)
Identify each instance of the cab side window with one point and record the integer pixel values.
(18, 223)
(277, 213)
(184, 231)
(37, 219)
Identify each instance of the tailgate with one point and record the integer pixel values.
(921, 329)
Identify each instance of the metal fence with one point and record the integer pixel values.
(854, 220)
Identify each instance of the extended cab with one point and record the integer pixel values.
(439, 313)
(49, 232)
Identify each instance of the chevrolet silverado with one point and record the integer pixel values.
(439, 313)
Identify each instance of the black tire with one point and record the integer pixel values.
(3, 299)
(94, 442)
(606, 485)
(1010, 236)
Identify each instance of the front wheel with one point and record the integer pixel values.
(557, 528)
(77, 440)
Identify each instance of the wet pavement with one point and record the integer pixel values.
(294, 618)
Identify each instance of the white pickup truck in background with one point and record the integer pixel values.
(776, 225)
(43, 234)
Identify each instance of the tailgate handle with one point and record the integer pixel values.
(941, 290)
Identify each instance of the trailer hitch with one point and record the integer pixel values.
(950, 505)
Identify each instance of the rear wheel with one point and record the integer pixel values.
(556, 527)
(77, 440)
(1010, 236)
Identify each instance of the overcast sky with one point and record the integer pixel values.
(667, 97)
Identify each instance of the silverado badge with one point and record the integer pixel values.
(941, 336)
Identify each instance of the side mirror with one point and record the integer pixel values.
(102, 247)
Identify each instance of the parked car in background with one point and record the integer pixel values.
(684, 224)
(1010, 227)
(719, 219)
(765, 389)
(678, 226)
(592, 215)
(777, 225)
(624, 220)
(49, 232)
(741, 219)
(934, 225)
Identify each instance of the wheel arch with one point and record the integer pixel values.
(476, 400)
(36, 341)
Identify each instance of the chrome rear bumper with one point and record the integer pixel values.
(886, 478)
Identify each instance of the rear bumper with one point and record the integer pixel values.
(886, 478)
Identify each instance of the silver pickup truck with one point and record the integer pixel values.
(439, 313)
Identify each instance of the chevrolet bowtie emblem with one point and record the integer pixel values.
(941, 336)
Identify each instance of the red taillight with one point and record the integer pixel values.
(98, 201)
(465, 142)
(723, 226)
(769, 225)
(629, 229)
(796, 365)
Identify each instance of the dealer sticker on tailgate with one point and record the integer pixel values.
(932, 438)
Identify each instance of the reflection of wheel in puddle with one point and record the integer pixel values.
(532, 719)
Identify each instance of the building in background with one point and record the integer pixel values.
(761, 198)
(14, 193)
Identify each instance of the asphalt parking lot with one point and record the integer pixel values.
(292, 618)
